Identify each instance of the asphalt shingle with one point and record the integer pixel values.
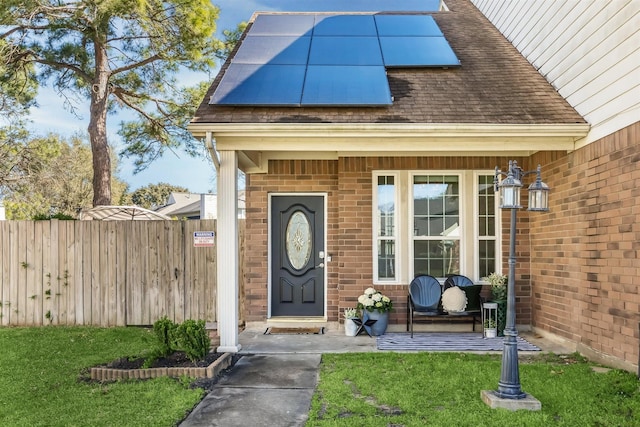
(495, 84)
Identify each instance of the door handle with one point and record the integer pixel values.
(321, 265)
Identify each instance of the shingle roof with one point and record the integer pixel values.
(495, 84)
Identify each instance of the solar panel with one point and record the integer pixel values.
(417, 52)
(358, 5)
(273, 50)
(345, 51)
(251, 84)
(322, 60)
(345, 25)
(282, 25)
(346, 85)
(407, 25)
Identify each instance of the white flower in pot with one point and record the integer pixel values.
(350, 327)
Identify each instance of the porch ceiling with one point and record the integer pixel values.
(257, 143)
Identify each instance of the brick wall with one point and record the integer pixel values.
(292, 177)
(349, 187)
(585, 269)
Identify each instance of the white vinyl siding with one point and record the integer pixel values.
(589, 50)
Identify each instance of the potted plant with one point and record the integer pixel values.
(375, 306)
(490, 328)
(498, 284)
(350, 327)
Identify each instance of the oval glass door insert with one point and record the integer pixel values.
(298, 240)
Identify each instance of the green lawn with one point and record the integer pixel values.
(43, 383)
(443, 389)
(40, 385)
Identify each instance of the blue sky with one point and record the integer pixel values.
(196, 174)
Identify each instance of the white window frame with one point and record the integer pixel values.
(376, 227)
(403, 223)
(476, 229)
(461, 222)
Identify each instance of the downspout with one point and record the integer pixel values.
(211, 147)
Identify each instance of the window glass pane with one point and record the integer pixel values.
(436, 225)
(486, 221)
(436, 205)
(386, 205)
(486, 203)
(487, 257)
(438, 258)
(386, 259)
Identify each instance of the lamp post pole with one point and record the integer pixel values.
(509, 384)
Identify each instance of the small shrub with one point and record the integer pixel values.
(151, 357)
(192, 338)
(46, 217)
(164, 330)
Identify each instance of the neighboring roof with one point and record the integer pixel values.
(180, 204)
(189, 204)
(120, 213)
(494, 85)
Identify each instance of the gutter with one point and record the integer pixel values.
(211, 148)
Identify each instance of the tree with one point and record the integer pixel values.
(17, 88)
(231, 38)
(55, 181)
(116, 53)
(153, 196)
(15, 157)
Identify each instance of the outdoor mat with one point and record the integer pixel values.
(443, 341)
(293, 331)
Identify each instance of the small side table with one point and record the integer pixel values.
(489, 319)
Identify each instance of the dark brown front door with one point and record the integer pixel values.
(297, 256)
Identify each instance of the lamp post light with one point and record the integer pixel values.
(509, 188)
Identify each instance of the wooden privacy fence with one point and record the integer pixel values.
(106, 273)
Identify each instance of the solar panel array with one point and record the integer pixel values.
(329, 60)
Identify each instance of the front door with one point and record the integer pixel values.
(297, 256)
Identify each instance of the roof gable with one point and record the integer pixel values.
(495, 84)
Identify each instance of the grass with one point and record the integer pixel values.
(42, 383)
(40, 379)
(443, 389)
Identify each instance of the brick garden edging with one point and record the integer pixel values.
(112, 374)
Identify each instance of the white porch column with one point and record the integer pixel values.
(227, 247)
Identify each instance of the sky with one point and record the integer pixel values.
(196, 174)
(180, 169)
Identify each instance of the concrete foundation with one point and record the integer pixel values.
(528, 403)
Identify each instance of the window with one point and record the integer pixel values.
(385, 224)
(437, 223)
(486, 226)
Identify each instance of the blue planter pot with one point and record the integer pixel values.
(382, 320)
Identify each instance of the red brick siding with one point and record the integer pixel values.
(585, 269)
(284, 177)
(348, 183)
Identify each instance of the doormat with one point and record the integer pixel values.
(293, 331)
(443, 341)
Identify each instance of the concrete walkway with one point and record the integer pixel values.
(273, 383)
(261, 390)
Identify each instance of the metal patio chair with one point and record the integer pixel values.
(423, 299)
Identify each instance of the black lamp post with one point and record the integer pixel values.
(509, 188)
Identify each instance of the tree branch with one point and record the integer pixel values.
(156, 57)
